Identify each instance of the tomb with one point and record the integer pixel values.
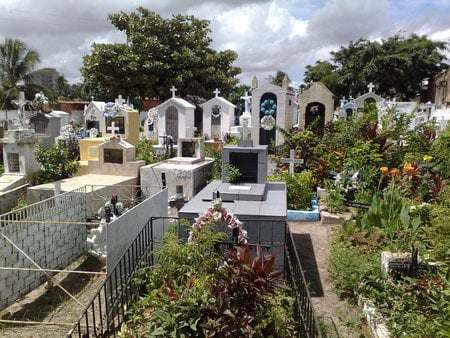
(189, 170)
(316, 102)
(218, 117)
(175, 118)
(99, 119)
(260, 205)
(272, 106)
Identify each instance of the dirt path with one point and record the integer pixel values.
(50, 310)
(337, 317)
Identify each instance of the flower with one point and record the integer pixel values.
(409, 168)
(427, 158)
(394, 172)
(384, 170)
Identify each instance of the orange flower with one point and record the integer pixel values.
(394, 172)
(409, 168)
(384, 170)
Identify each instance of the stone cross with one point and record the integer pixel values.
(113, 129)
(216, 92)
(20, 103)
(119, 100)
(173, 90)
(343, 101)
(247, 98)
(292, 161)
(370, 86)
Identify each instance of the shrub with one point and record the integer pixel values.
(299, 188)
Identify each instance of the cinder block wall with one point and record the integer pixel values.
(37, 231)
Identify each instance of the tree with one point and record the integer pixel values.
(16, 64)
(397, 66)
(160, 53)
(279, 77)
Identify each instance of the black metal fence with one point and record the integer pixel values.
(106, 312)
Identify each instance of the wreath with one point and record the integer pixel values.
(268, 107)
(216, 112)
(268, 122)
(110, 110)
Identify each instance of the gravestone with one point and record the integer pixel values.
(218, 117)
(260, 205)
(292, 161)
(316, 103)
(173, 116)
(272, 106)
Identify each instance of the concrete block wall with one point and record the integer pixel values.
(43, 231)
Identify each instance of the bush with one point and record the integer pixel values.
(299, 188)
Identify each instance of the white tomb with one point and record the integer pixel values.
(218, 116)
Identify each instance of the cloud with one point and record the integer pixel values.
(268, 35)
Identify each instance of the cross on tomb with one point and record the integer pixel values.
(370, 86)
(20, 103)
(292, 161)
(216, 92)
(119, 100)
(113, 129)
(246, 98)
(173, 90)
(343, 101)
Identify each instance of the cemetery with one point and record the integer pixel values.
(186, 214)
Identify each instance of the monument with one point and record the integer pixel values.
(218, 117)
(261, 205)
(316, 102)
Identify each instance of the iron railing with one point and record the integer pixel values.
(104, 315)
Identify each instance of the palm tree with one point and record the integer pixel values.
(16, 64)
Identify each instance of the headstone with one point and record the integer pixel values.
(218, 117)
(292, 161)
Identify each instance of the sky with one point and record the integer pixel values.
(268, 35)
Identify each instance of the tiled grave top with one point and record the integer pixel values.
(273, 207)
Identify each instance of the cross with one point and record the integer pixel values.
(21, 102)
(119, 100)
(370, 86)
(247, 98)
(173, 90)
(217, 92)
(113, 129)
(292, 161)
(343, 101)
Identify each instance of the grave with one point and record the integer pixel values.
(316, 102)
(99, 118)
(261, 205)
(174, 118)
(272, 106)
(189, 170)
(19, 147)
(218, 117)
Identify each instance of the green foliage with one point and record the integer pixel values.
(232, 173)
(216, 154)
(145, 151)
(16, 64)
(193, 290)
(396, 65)
(55, 163)
(159, 53)
(299, 188)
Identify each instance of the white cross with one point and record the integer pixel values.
(292, 161)
(343, 101)
(119, 100)
(217, 92)
(370, 86)
(247, 99)
(113, 129)
(173, 90)
(21, 102)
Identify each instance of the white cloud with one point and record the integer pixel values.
(268, 35)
